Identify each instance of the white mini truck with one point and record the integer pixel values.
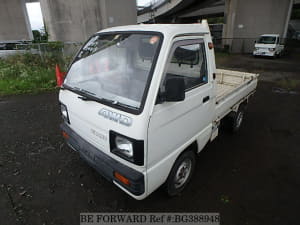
(139, 102)
(268, 45)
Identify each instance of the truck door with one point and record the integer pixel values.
(174, 124)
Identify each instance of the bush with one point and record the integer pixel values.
(28, 73)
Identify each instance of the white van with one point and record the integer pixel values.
(268, 45)
(139, 102)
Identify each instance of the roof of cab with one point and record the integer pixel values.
(165, 29)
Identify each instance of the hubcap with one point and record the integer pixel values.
(239, 119)
(183, 173)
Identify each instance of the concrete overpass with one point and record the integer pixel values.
(244, 20)
(166, 7)
(65, 20)
(14, 21)
(181, 11)
(75, 20)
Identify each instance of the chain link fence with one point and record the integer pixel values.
(246, 45)
(63, 53)
(31, 67)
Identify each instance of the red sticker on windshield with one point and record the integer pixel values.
(153, 40)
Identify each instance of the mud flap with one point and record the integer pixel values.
(215, 131)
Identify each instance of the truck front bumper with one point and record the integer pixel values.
(104, 164)
(263, 53)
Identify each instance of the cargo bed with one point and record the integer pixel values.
(232, 87)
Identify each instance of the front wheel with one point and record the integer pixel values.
(181, 173)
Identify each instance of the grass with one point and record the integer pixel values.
(225, 199)
(27, 73)
(289, 84)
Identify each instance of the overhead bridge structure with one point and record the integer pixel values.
(65, 20)
(180, 11)
(76, 20)
(244, 20)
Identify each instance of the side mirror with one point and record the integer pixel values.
(255, 41)
(175, 89)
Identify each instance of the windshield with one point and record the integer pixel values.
(115, 67)
(266, 40)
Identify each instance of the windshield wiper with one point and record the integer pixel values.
(90, 96)
(85, 91)
(124, 105)
(84, 94)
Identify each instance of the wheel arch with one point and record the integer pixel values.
(193, 147)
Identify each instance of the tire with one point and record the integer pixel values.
(232, 123)
(181, 173)
(237, 119)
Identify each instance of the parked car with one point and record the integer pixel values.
(268, 45)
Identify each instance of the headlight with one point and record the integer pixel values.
(127, 148)
(271, 49)
(256, 49)
(64, 113)
(124, 146)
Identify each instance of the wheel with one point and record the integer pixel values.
(181, 173)
(234, 120)
(237, 119)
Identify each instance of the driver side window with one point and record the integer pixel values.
(189, 62)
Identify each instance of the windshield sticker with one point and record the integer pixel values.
(117, 117)
(153, 40)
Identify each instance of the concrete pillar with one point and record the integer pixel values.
(14, 21)
(76, 20)
(246, 20)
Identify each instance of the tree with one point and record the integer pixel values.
(40, 36)
(37, 37)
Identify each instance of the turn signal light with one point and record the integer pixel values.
(210, 45)
(65, 135)
(121, 178)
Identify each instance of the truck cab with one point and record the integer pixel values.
(268, 45)
(139, 102)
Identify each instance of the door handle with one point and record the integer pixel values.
(205, 99)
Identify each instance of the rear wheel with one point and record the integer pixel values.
(181, 173)
(237, 120)
(234, 120)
